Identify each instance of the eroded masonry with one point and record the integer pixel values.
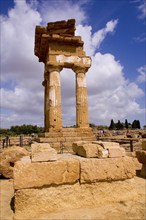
(57, 47)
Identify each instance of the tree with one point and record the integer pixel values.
(112, 125)
(26, 129)
(119, 125)
(136, 124)
(126, 124)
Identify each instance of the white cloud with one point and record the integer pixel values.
(142, 74)
(17, 45)
(93, 41)
(110, 93)
(142, 9)
(62, 10)
(99, 36)
(141, 38)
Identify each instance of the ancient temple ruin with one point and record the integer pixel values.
(57, 47)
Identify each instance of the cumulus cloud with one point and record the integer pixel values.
(110, 94)
(59, 10)
(93, 41)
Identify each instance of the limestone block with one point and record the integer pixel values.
(107, 145)
(143, 171)
(26, 159)
(144, 144)
(79, 61)
(87, 150)
(90, 150)
(35, 204)
(8, 158)
(42, 152)
(141, 156)
(6, 199)
(116, 152)
(110, 169)
(102, 153)
(76, 144)
(29, 175)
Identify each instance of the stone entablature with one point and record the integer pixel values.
(57, 47)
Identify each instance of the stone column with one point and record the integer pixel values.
(81, 98)
(46, 114)
(53, 110)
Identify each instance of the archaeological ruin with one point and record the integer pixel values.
(57, 47)
(96, 179)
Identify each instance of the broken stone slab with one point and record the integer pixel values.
(87, 150)
(110, 169)
(98, 149)
(8, 158)
(102, 153)
(31, 175)
(116, 152)
(76, 145)
(41, 152)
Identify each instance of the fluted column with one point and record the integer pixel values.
(81, 98)
(53, 110)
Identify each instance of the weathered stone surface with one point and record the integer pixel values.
(42, 152)
(116, 152)
(138, 165)
(76, 144)
(62, 171)
(6, 199)
(143, 171)
(141, 156)
(8, 158)
(25, 159)
(110, 169)
(106, 145)
(102, 153)
(36, 203)
(57, 47)
(98, 149)
(144, 144)
(86, 150)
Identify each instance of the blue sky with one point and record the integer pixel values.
(114, 34)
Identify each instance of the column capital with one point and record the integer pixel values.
(78, 69)
(51, 68)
